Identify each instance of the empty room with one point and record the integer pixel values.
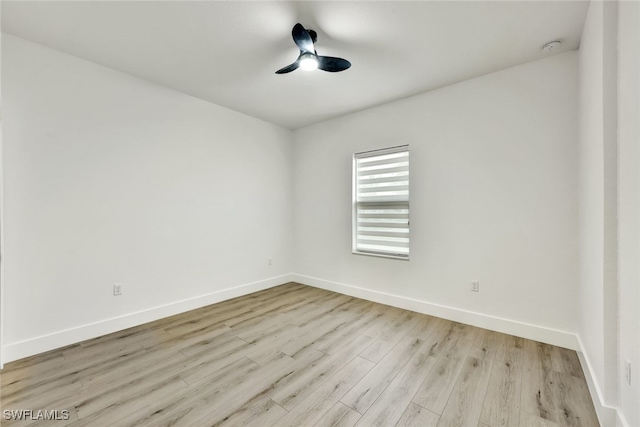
(320, 213)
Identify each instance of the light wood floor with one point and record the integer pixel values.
(299, 356)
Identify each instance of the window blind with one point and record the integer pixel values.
(381, 202)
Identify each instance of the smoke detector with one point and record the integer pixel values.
(551, 46)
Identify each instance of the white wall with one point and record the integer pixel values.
(629, 205)
(591, 189)
(598, 204)
(109, 179)
(493, 198)
(1, 209)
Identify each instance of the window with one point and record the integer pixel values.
(381, 202)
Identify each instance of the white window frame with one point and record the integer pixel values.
(398, 236)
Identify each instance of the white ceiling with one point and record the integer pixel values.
(228, 52)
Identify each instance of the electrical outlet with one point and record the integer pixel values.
(269, 261)
(475, 286)
(117, 289)
(627, 371)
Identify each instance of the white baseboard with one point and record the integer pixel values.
(511, 327)
(30, 347)
(607, 415)
(621, 421)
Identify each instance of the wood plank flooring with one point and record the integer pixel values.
(294, 355)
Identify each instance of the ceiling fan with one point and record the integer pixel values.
(309, 58)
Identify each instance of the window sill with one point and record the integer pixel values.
(400, 257)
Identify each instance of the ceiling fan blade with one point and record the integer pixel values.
(302, 39)
(289, 68)
(331, 64)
